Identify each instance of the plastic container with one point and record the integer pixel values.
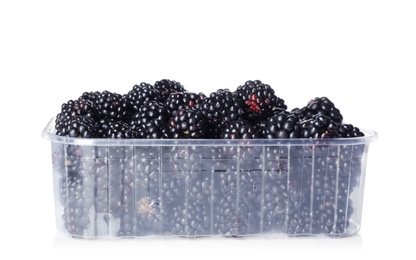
(116, 188)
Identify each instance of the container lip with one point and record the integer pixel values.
(49, 134)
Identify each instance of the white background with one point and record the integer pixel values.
(360, 54)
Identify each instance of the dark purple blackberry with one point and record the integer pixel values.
(280, 125)
(71, 110)
(151, 120)
(240, 129)
(319, 126)
(259, 100)
(110, 105)
(188, 123)
(348, 130)
(120, 129)
(103, 126)
(184, 100)
(166, 87)
(320, 106)
(140, 94)
(220, 108)
(79, 126)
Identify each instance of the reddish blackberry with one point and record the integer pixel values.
(188, 123)
(184, 100)
(140, 94)
(259, 100)
(320, 106)
(280, 125)
(240, 129)
(220, 108)
(166, 87)
(319, 126)
(151, 120)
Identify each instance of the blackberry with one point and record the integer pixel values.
(109, 104)
(320, 106)
(281, 125)
(151, 120)
(220, 108)
(103, 126)
(348, 130)
(140, 94)
(79, 126)
(187, 123)
(120, 129)
(240, 129)
(319, 126)
(184, 100)
(259, 100)
(71, 110)
(166, 87)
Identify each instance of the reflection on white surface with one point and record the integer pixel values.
(226, 247)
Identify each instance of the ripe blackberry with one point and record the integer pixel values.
(281, 125)
(320, 106)
(220, 108)
(109, 104)
(151, 120)
(79, 126)
(184, 100)
(348, 130)
(120, 129)
(240, 129)
(166, 87)
(140, 94)
(102, 127)
(71, 110)
(187, 123)
(319, 126)
(259, 99)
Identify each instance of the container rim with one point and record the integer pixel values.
(49, 134)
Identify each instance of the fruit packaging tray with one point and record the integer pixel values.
(116, 188)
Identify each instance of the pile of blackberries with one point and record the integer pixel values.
(201, 190)
(166, 110)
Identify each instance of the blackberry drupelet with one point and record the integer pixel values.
(140, 94)
(151, 119)
(188, 123)
(166, 87)
(184, 100)
(320, 106)
(240, 129)
(221, 107)
(259, 100)
(280, 125)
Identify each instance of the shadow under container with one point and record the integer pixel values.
(117, 188)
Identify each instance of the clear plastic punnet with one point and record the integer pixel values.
(117, 188)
